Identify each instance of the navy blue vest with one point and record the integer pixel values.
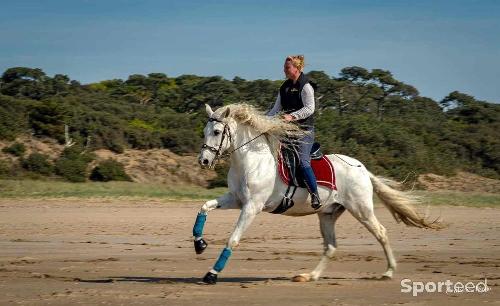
(291, 99)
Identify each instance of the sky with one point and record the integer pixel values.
(438, 46)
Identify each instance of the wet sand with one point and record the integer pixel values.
(140, 252)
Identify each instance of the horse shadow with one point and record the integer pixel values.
(180, 280)
(198, 281)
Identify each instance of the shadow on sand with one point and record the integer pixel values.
(179, 280)
(197, 280)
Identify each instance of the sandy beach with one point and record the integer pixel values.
(140, 252)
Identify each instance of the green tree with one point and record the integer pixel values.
(48, 118)
(23, 81)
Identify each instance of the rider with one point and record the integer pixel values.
(296, 100)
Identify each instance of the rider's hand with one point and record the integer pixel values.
(288, 117)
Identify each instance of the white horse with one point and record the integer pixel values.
(252, 140)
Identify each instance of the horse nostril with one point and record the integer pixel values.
(205, 161)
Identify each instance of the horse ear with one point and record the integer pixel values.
(226, 113)
(209, 110)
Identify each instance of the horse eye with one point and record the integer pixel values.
(216, 132)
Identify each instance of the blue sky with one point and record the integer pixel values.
(437, 46)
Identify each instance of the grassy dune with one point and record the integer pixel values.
(55, 189)
(473, 199)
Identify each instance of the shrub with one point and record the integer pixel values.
(115, 146)
(77, 152)
(72, 164)
(73, 170)
(4, 168)
(38, 163)
(16, 149)
(109, 170)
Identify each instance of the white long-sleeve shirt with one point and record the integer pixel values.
(307, 96)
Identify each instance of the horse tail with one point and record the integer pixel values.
(400, 204)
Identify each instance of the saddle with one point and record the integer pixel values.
(291, 173)
(290, 170)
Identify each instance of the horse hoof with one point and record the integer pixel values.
(388, 274)
(200, 246)
(302, 278)
(210, 278)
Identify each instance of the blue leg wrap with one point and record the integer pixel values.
(199, 224)
(221, 262)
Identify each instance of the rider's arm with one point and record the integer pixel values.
(276, 108)
(307, 96)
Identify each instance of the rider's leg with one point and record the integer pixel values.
(304, 151)
(312, 186)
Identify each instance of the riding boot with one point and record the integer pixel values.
(312, 186)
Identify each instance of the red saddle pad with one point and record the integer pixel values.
(323, 170)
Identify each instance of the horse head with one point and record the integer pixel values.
(217, 136)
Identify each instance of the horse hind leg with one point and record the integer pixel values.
(378, 230)
(327, 226)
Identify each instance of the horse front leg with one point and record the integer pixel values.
(247, 215)
(226, 201)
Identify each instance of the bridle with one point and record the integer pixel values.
(218, 150)
(225, 132)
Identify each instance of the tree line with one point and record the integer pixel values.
(367, 114)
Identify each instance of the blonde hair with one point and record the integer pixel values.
(297, 61)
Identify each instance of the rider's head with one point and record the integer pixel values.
(294, 64)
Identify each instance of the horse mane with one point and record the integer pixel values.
(274, 128)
